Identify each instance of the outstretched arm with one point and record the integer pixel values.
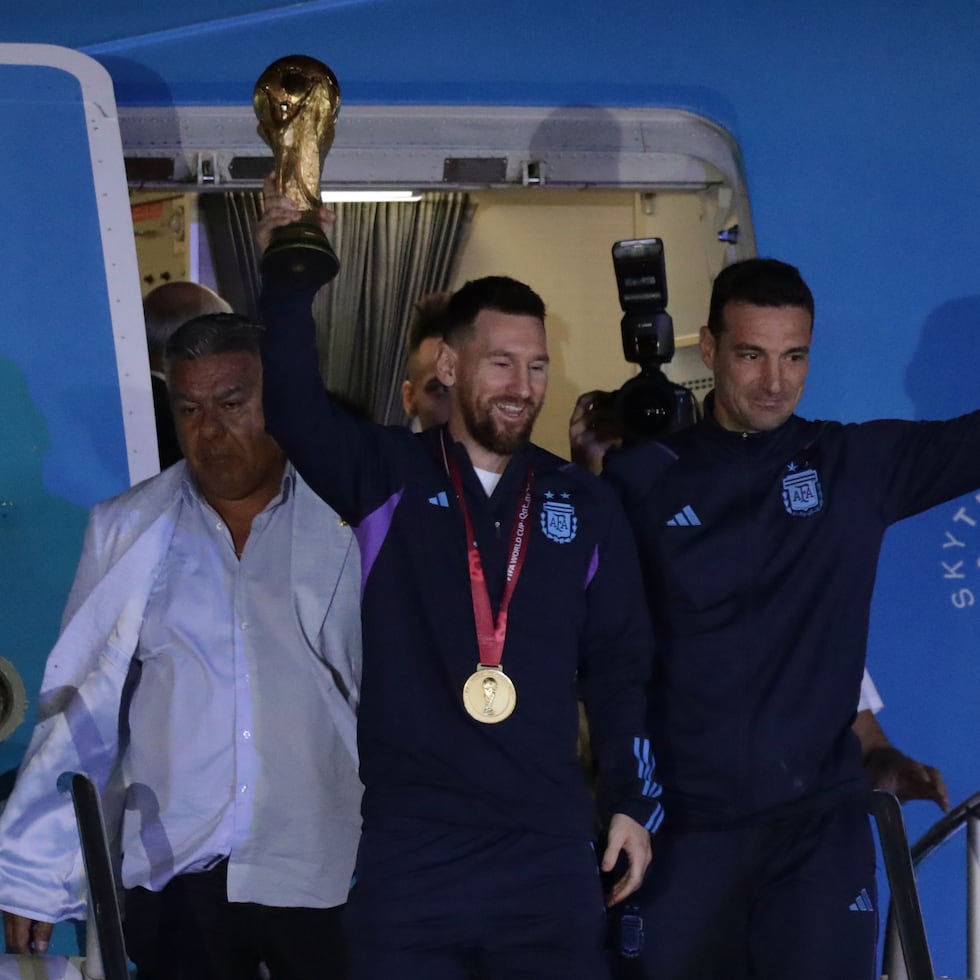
(338, 454)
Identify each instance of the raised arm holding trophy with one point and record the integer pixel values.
(297, 100)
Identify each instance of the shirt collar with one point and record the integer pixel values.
(287, 488)
(719, 433)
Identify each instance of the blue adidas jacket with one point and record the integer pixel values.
(577, 620)
(760, 553)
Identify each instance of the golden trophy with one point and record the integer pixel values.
(297, 100)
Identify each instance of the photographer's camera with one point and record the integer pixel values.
(649, 405)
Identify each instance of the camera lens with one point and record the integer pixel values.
(645, 408)
(650, 405)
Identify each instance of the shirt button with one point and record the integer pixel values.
(245, 625)
(220, 526)
(244, 787)
(246, 734)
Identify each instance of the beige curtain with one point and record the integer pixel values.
(390, 255)
(229, 221)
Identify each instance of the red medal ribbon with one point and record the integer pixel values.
(491, 635)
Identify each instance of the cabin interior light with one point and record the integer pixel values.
(347, 197)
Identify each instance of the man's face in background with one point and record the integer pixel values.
(424, 396)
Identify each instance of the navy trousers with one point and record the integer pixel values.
(791, 898)
(452, 904)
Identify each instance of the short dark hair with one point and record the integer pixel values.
(428, 319)
(209, 335)
(758, 282)
(500, 293)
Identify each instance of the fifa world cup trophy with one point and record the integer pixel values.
(296, 101)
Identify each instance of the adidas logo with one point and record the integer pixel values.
(862, 903)
(440, 499)
(685, 518)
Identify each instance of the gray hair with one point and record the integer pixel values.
(211, 334)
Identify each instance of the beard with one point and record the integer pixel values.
(492, 434)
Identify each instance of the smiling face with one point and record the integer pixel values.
(217, 407)
(498, 373)
(759, 360)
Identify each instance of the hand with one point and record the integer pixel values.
(587, 443)
(891, 769)
(26, 936)
(627, 837)
(279, 210)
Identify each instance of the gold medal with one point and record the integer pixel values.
(489, 695)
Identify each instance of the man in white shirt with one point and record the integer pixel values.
(206, 678)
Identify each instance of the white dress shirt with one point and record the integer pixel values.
(232, 748)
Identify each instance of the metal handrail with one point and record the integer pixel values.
(106, 949)
(965, 814)
(914, 949)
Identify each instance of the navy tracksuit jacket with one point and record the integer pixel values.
(759, 553)
(578, 620)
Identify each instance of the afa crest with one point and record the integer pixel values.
(802, 495)
(558, 521)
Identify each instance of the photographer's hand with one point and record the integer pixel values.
(588, 446)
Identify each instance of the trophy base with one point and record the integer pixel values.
(299, 257)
